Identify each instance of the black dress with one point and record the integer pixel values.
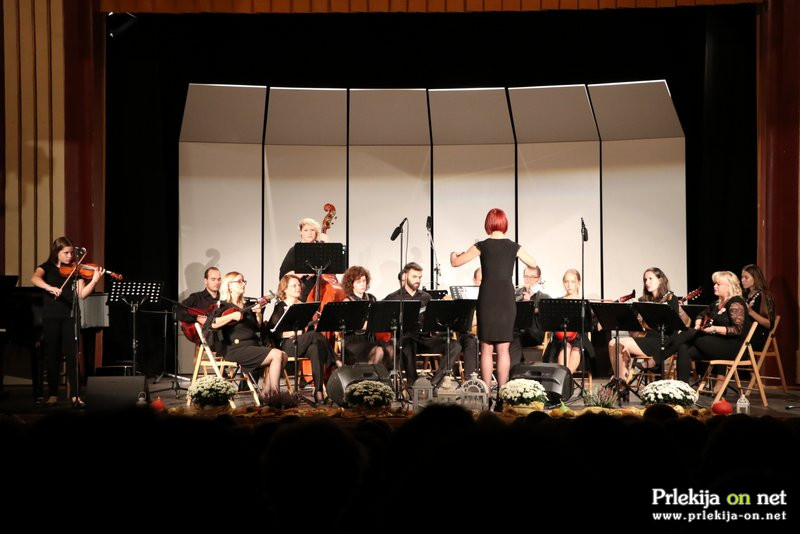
(240, 342)
(754, 301)
(650, 344)
(497, 308)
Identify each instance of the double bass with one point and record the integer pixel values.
(330, 288)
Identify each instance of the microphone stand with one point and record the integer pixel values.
(398, 341)
(75, 314)
(436, 266)
(584, 239)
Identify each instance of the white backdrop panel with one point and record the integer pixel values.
(220, 211)
(644, 212)
(468, 181)
(386, 185)
(558, 184)
(299, 181)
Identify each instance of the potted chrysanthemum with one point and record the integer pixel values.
(211, 390)
(676, 393)
(523, 396)
(369, 396)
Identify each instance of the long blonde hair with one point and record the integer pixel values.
(224, 289)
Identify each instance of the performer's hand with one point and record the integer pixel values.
(56, 292)
(98, 274)
(202, 319)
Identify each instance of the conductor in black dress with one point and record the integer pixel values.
(497, 308)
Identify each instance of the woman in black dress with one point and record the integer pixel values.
(760, 305)
(497, 308)
(310, 344)
(239, 330)
(360, 346)
(655, 289)
(718, 331)
(58, 327)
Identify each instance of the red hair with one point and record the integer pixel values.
(496, 220)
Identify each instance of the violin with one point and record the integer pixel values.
(85, 270)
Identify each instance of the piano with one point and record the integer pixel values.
(20, 331)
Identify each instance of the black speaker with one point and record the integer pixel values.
(556, 379)
(348, 374)
(114, 392)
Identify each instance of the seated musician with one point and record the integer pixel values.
(533, 335)
(239, 328)
(655, 289)
(760, 304)
(555, 350)
(417, 342)
(310, 232)
(201, 301)
(718, 331)
(310, 343)
(361, 346)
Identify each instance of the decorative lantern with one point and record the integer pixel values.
(423, 393)
(475, 394)
(448, 392)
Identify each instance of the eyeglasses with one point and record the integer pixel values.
(533, 276)
(243, 282)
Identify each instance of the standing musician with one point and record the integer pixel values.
(655, 289)
(310, 344)
(361, 346)
(555, 350)
(717, 331)
(58, 327)
(760, 304)
(310, 232)
(205, 299)
(419, 342)
(240, 342)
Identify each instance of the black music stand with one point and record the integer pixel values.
(384, 316)
(345, 316)
(693, 310)
(173, 312)
(448, 316)
(134, 293)
(563, 315)
(321, 258)
(525, 315)
(436, 294)
(660, 317)
(616, 316)
(296, 318)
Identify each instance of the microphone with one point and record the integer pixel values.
(398, 229)
(584, 233)
(429, 223)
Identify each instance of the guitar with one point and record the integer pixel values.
(572, 335)
(188, 327)
(691, 295)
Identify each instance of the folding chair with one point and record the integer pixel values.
(733, 366)
(205, 359)
(770, 350)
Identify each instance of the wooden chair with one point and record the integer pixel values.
(740, 361)
(205, 360)
(770, 350)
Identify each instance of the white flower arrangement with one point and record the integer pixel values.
(523, 391)
(669, 392)
(369, 394)
(211, 390)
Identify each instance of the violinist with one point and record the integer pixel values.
(310, 232)
(202, 300)
(760, 305)
(58, 327)
(240, 328)
(310, 344)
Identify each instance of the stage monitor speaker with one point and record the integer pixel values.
(107, 393)
(556, 379)
(349, 374)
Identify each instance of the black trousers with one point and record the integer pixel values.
(58, 339)
(417, 343)
(705, 347)
(315, 347)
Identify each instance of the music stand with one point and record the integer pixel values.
(562, 315)
(321, 258)
(134, 293)
(436, 294)
(465, 292)
(660, 317)
(525, 314)
(296, 318)
(450, 315)
(384, 316)
(345, 316)
(693, 310)
(616, 316)
(176, 387)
